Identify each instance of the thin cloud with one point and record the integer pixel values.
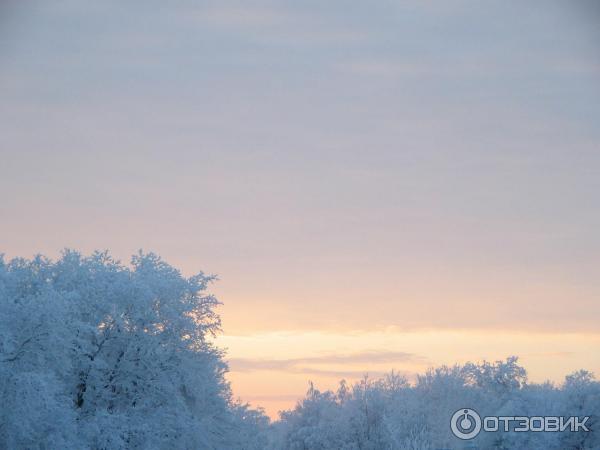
(241, 16)
(273, 23)
(270, 398)
(306, 365)
(551, 354)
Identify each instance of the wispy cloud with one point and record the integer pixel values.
(563, 354)
(272, 398)
(322, 365)
(241, 16)
(271, 24)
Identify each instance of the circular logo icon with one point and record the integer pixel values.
(465, 423)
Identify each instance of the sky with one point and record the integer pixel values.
(378, 185)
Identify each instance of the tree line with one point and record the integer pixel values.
(97, 355)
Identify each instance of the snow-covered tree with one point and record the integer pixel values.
(98, 355)
(94, 354)
(391, 414)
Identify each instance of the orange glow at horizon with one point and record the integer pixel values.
(272, 369)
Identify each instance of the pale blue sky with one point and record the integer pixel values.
(350, 164)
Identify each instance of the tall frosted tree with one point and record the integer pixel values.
(94, 354)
